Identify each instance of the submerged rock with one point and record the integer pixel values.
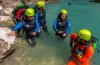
(7, 43)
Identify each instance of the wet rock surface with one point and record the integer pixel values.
(6, 8)
(7, 43)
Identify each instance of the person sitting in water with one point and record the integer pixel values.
(82, 47)
(18, 13)
(40, 10)
(30, 25)
(62, 24)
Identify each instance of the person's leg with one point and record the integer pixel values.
(44, 25)
(39, 31)
(30, 38)
(85, 63)
(60, 35)
(16, 22)
(74, 60)
(38, 34)
(71, 62)
(18, 31)
(63, 34)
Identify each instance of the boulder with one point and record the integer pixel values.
(4, 18)
(8, 11)
(7, 43)
(1, 7)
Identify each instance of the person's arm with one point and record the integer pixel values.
(18, 26)
(55, 26)
(37, 24)
(72, 37)
(86, 57)
(68, 27)
(18, 14)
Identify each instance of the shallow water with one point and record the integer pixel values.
(51, 50)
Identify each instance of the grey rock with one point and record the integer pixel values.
(7, 43)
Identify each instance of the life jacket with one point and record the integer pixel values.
(39, 12)
(32, 23)
(61, 25)
(83, 47)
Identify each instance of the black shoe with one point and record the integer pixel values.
(31, 41)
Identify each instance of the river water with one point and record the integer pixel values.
(52, 50)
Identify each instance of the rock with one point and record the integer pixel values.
(4, 18)
(7, 43)
(1, 1)
(1, 8)
(8, 11)
(2, 12)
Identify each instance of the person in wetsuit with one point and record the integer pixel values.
(30, 25)
(61, 25)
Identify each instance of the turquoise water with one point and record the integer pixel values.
(51, 50)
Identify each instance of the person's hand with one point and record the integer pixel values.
(33, 33)
(27, 26)
(60, 32)
(64, 35)
(12, 33)
(41, 14)
(40, 31)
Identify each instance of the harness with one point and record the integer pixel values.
(77, 47)
(29, 25)
(41, 13)
(61, 25)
